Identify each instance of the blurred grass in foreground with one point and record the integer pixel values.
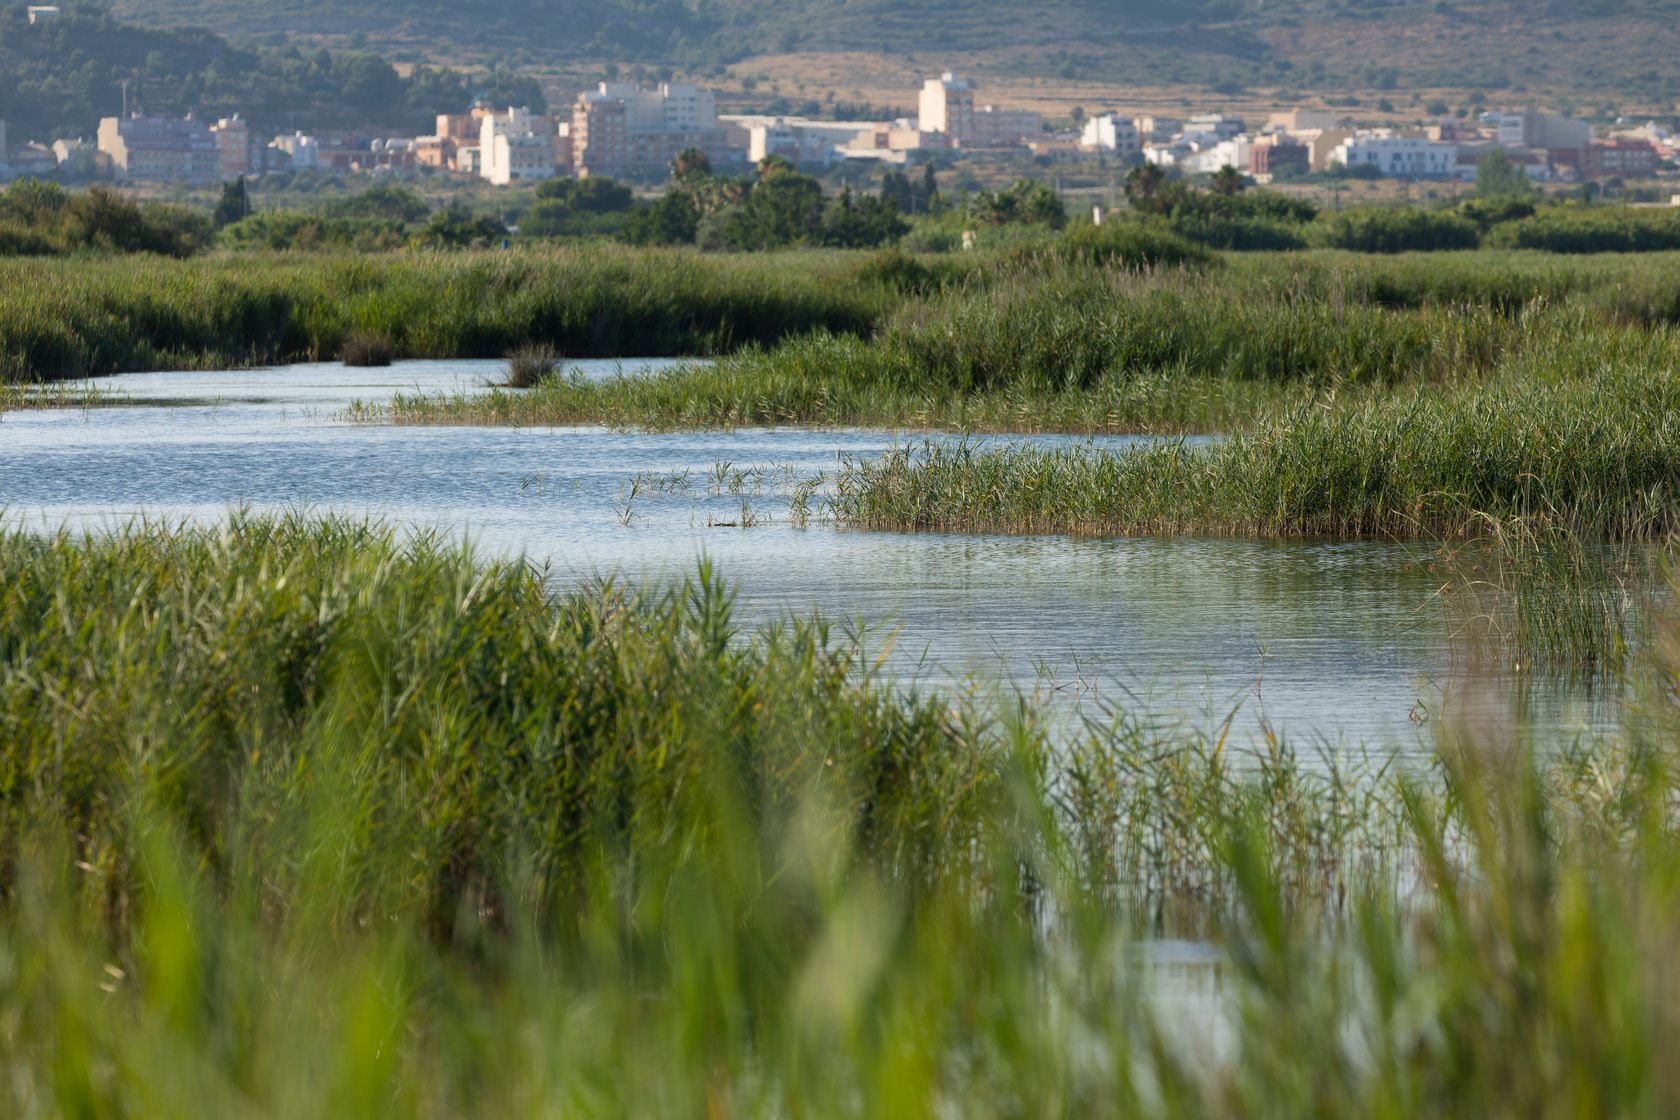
(301, 818)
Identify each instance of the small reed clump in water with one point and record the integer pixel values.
(365, 350)
(531, 365)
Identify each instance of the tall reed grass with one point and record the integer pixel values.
(72, 318)
(305, 819)
(1050, 345)
(1594, 452)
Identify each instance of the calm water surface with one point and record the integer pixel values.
(1329, 642)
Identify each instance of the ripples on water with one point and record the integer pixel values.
(1324, 642)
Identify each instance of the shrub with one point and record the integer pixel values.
(532, 364)
(363, 348)
(1133, 244)
(1592, 231)
(1396, 230)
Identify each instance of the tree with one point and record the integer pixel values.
(672, 220)
(234, 204)
(690, 163)
(784, 207)
(1143, 183)
(861, 224)
(594, 195)
(398, 203)
(896, 188)
(1024, 202)
(1228, 181)
(929, 191)
(1497, 176)
(456, 227)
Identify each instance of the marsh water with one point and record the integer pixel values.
(1328, 643)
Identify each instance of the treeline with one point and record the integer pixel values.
(44, 219)
(58, 78)
(779, 207)
(1229, 216)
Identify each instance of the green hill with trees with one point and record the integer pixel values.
(267, 60)
(59, 78)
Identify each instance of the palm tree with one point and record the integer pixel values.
(1227, 181)
(689, 163)
(1143, 183)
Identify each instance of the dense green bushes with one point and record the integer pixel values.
(1395, 230)
(1594, 230)
(282, 230)
(39, 218)
(64, 319)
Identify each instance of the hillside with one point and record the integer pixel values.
(60, 78)
(1600, 57)
(1624, 47)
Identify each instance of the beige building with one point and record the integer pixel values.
(600, 135)
(618, 128)
(1301, 120)
(1320, 143)
(161, 149)
(946, 105)
(233, 143)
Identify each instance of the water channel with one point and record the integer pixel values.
(1329, 643)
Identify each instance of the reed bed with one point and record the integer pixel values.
(1059, 346)
(1596, 452)
(303, 818)
(68, 318)
(72, 318)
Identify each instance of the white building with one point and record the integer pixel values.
(1111, 133)
(42, 13)
(672, 107)
(1211, 128)
(303, 151)
(513, 146)
(800, 140)
(1398, 157)
(1207, 160)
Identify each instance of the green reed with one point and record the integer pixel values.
(304, 818)
(1044, 344)
(68, 318)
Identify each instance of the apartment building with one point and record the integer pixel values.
(946, 105)
(1542, 131)
(619, 128)
(1398, 156)
(161, 149)
(1302, 120)
(600, 135)
(233, 144)
(1619, 157)
(1111, 133)
(1274, 155)
(303, 153)
(516, 146)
